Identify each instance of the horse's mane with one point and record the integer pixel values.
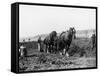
(62, 33)
(67, 34)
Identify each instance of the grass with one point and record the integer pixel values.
(81, 56)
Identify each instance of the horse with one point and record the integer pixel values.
(64, 41)
(48, 42)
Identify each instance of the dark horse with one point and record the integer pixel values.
(64, 40)
(49, 41)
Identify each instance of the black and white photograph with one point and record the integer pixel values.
(56, 38)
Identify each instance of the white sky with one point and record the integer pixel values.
(35, 20)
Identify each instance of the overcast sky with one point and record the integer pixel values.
(35, 20)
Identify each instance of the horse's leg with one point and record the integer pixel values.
(60, 52)
(63, 52)
(67, 54)
(46, 48)
(39, 46)
(66, 49)
(50, 48)
(55, 49)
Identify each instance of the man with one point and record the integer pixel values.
(93, 38)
